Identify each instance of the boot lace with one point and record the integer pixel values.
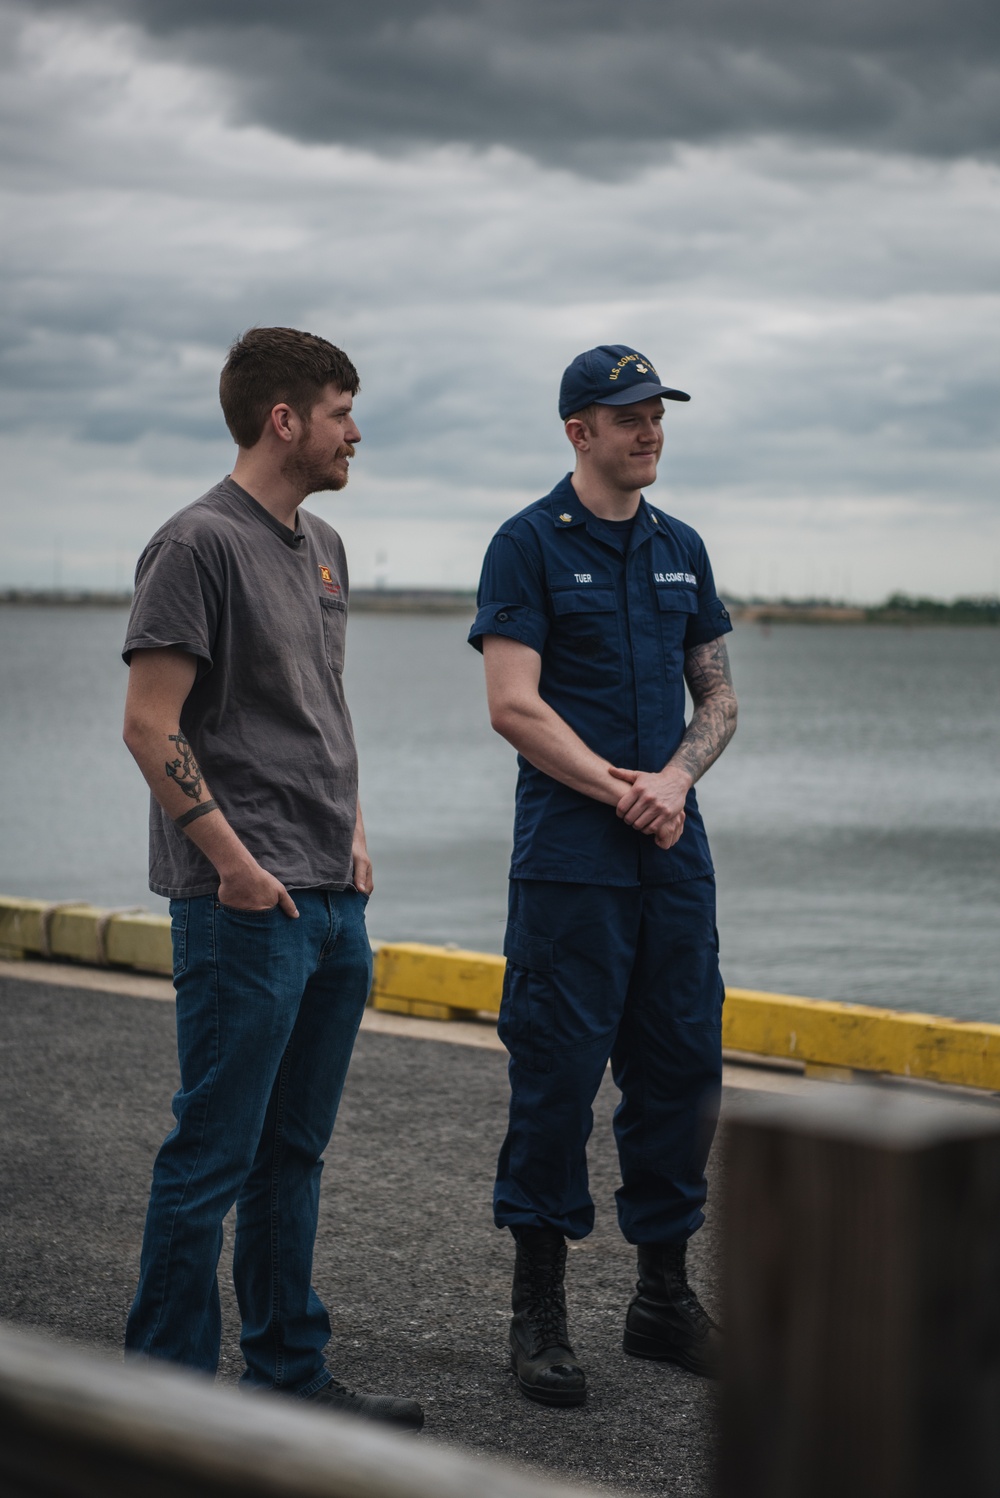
(680, 1292)
(546, 1303)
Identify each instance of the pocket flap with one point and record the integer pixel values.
(330, 602)
(677, 600)
(584, 601)
(532, 952)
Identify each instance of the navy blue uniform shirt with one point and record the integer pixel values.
(611, 610)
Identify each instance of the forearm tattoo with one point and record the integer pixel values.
(201, 810)
(713, 722)
(184, 770)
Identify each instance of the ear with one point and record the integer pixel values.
(578, 433)
(283, 422)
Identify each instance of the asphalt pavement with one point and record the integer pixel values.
(416, 1277)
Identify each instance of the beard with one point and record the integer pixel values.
(316, 473)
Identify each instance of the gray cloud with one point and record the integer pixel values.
(829, 303)
(600, 87)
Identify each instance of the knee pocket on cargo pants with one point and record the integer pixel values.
(675, 981)
(555, 1012)
(525, 1022)
(687, 991)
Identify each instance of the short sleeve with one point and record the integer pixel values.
(175, 604)
(712, 618)
(511, 597)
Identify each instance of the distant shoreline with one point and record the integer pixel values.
(900, 608)
(363, 600)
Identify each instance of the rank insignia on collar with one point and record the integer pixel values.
(564, 516)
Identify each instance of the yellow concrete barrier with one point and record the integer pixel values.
(856, 1037)
(832, 1038)
(436, 982)
(447, 983)
(76, 932)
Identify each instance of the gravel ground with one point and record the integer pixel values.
(416, 1277)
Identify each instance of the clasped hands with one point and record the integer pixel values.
(653, 803)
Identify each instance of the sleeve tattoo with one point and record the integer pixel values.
(713, 722)
(184, 770)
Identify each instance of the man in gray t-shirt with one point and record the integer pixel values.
(261, 608)
(237, 718)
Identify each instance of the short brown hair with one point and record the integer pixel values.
(586, 414)
(269, 365)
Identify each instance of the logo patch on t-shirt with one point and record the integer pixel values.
(326, 578)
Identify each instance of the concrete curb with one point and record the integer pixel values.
(831, 1039)
(84, 933)
(441, 983)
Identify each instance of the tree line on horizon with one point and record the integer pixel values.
(898, 608)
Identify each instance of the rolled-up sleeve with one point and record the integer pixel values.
(174, 604)
(712, 618)
(511, 597)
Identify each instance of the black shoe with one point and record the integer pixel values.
(402, 1414)
(540, 1353)
(666, 1320)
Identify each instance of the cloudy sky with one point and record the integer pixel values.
(793, 210)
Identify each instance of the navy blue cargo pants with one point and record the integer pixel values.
(597, 972)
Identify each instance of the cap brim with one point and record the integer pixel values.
(633, 393)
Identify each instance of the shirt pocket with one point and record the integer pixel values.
(586, 626)
(675, 607)
(334, 611)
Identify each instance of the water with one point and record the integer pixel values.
(855, 820)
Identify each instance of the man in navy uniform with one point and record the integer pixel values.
(594, 610)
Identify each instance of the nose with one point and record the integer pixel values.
(353, 435)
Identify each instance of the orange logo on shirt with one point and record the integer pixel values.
(326, 578)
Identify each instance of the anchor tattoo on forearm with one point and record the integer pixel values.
(185, 769)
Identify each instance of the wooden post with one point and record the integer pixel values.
(862, 1296)
(80, 1425)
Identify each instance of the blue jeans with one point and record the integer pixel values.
(598, 972)
(267, 1012)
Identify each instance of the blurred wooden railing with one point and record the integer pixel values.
(81, 1425)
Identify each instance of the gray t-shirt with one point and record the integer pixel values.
(264, 610)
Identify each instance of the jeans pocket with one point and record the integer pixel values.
(250, 917)
(178, 935)
(256, 949)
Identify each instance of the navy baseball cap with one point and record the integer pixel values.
(611, 375)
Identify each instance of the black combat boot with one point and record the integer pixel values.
(666, 1320)
(540, 1355)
